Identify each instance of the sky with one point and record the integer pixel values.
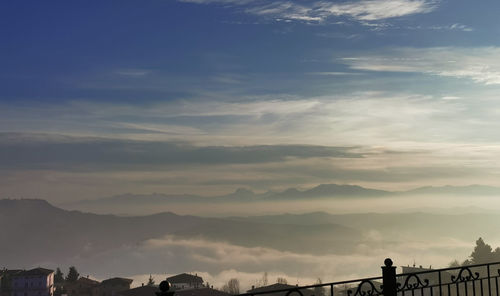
(206, 96)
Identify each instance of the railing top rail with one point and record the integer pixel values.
(449, 268)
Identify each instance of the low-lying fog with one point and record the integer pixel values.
(349, 238)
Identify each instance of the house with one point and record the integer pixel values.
(111, 287)
(426, 274)
(140, 291)
(34, 282)
(203, 291)
(151, 290)
(278, 286)
(425, 277)
(185, 281)
(84, 286)
(6, 280)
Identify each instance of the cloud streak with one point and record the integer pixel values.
(17, 151)
(480, 64)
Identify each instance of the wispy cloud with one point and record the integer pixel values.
(362, 118)
(217, 1)
(452, 27)
(378, 9)
(318, 11)
(338, 35)
(133, 72)
(482, 64)
(334, 73)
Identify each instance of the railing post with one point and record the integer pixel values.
(389, 287)
(165, 289)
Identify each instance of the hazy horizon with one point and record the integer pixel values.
(219, 252)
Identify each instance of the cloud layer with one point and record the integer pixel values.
(387, 140)
(19, 152)
(219, 261)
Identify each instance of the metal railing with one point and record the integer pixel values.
(470, 280)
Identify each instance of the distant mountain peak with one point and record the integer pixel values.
(292, 190)
(26, 202)
(344, 189)
(26, 206)
(330, 190)
(243, 191)
(453, 189)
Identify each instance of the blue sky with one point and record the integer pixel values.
(409, 86)
(166, 50)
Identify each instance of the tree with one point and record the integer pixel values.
(281, 280)
(319, 291)
(151, 281)
(58, 276)
(72, 274)
(482, 253)
(263, 281)
(454, 263)
(496, 255)
(232, 287)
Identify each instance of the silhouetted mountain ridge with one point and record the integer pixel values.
(42, 232)
(245, 195)
(457, 190)
(150, 203)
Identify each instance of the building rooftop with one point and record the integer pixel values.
(35, 272)
(272, 287)
(185, 278)
(117, 281)
(9, 272)
(87, 281)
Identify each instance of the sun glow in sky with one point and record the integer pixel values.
(205, 96)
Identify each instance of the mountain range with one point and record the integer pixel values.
(36, 233)
(322, 191)
(40, 231)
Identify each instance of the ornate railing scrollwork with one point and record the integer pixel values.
(365, 288)
(412, 282)
(465, 275)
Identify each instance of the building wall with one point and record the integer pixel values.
(184, 286)
(78, 289)
(39, 285)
